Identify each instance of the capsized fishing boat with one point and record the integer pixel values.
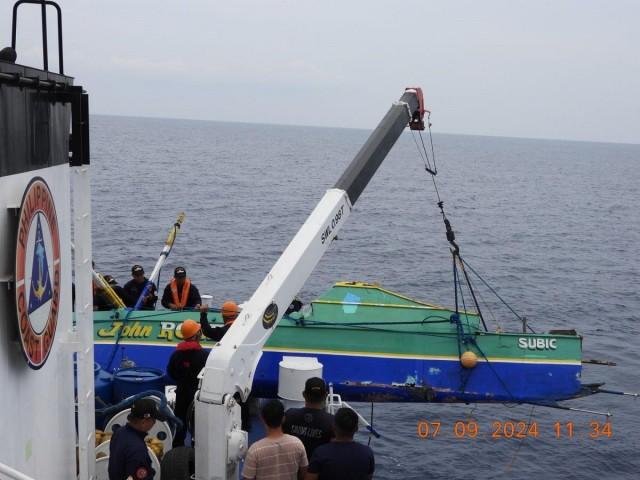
(376, 345)
(373, 344)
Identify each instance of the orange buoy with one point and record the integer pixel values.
(469, 359)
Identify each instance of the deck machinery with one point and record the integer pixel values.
(228, 374)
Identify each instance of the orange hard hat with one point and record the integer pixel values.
(229, 310)
(189, 328)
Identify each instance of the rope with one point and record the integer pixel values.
(450, 234)
(433, 153)
(423, 153)
(473, 295)
(521, 440)
(386, 330)
(161, 313)
(127, 402)
(302, 322)
(496, 294)
(475, 344)
(491, 314)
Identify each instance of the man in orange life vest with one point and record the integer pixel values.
(180, 293)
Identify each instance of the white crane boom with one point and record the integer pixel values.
(220, 442)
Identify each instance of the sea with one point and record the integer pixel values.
(553, 226)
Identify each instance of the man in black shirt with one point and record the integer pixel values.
(134, 288)
(184, 366)
(102, 301)
(228, 316)
(128, 455)
(342, 458)
(311, 424)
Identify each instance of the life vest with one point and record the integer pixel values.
(182, 301)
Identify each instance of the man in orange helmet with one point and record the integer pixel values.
(229, 313)
(184, 366)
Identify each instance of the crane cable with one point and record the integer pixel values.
(458, 261)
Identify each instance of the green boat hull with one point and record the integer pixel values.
(376, 345)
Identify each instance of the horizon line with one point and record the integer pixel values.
(151, 117)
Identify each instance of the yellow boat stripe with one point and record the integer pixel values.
(373, 286)
(422, 357)
(390, 305)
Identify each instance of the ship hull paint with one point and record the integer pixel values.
(401, 379)
(376, 345)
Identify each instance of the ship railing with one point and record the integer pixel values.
(12, 474)
(45, 47)
(335, 402)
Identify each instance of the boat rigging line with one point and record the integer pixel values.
(459, 264)
(425, 156)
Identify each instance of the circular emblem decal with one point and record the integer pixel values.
(37, 272)
(141, 473)
(270, 316)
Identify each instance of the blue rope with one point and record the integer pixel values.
(127, 402)
(114, 349)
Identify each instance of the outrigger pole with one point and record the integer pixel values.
(166, 250)
(614, 392)
(571, 409)
(113, 296)
(155, 274)
(100, 280)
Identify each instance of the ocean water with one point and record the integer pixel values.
(554, 226)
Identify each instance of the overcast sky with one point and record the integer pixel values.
(542, 69)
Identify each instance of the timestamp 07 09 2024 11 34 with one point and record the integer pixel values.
(470, 429)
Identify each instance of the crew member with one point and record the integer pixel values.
(278, 455)
(229, 313)
(102, 301)
(180, 293)
(134, 288)
(311, 424)
(128, 455)
(342, 458)
(184, 366)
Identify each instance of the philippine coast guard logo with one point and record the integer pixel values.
(37, 272)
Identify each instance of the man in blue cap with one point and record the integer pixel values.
(134, 288)
(128, 454)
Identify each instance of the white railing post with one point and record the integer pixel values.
(84, 321)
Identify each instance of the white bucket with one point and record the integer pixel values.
(206, 300)
(293, 374)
